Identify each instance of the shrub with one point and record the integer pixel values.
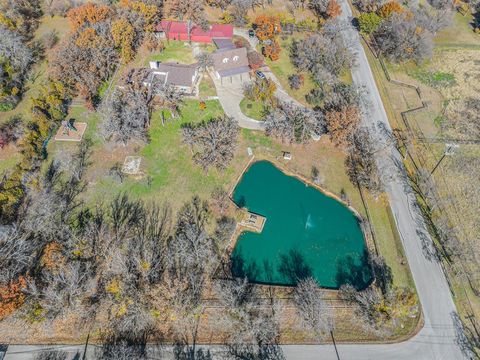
(369, 22)
(296, 81)
(315, 96)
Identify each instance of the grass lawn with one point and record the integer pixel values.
(283, 68)
(253, 109)
(175, 51)
(207, 87)
(170, 174)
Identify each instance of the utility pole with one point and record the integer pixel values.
(334, 344)
(449, 150)
(85, 349)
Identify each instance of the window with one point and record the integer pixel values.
(225, 60)
(235, 58)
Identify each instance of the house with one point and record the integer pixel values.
(188, 31)
(230, 62)
(183, 77)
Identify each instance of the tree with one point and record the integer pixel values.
(319, 7)
(369, 22)
(314, 313)
(21, 16)
(204, 60)
(293, 124)
(253, 326)
(272, 50)
(360, 162)
(366, 6)
(296, 81)
(184, 10)
(341, 124)
(213, 143)
(380, 313)
(261, 90)
(267, 27)
(389, 8)
(15, 58)
(431, 19)
(123, 35)
(400, 39)
(86, 60)
(88, 14)
(126, 115)
(320, 54)
(12, 296)
(333, 9)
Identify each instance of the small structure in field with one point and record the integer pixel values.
(71, 130)
(287, 155)
(131, 165)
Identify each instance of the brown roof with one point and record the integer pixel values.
(176, 74)
(228, 59)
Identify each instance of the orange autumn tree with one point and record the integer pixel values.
(88, 13)
(267, 27)
(272, 50)
(123, 35)
(341, 124)
(333, 9)
(387, 9)
(150, 13)
(12, 297)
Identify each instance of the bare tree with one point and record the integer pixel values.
(292, 123)
(320, 54)
(17, 253)
(399, 39)
(125, 115)
(315, 314)
(360, 162)
(213, 143)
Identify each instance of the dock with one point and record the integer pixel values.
(253, 222)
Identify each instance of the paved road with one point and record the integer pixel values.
(437, 339)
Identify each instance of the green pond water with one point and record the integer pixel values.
(307, 233)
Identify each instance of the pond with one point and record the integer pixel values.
(307, 233)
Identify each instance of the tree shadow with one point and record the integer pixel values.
(467, 339)
(241, 202)
(241, 269)
(255, 352)
(293, 267)
(355, 273)
(186, 352)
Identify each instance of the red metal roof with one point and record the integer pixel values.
(176, 28)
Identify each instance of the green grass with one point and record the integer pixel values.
(283, 68)
(175, 51)
(171, 174)
(459, 35)
(252, 109)
(435, 79)
(207, 87)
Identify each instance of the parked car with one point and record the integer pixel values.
(260, 74)
(251, 33)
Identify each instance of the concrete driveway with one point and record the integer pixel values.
(230, 94)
